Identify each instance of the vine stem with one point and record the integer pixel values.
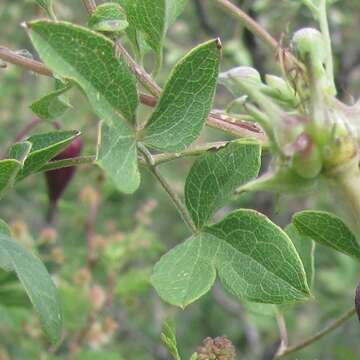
(328, 329)
(254, 27)
(12, 57)
(143, 77)
(283, 332)
(324, 27)
(242, 129)
(166, 186)
(248, 22)
(90, 5)
(76, 161)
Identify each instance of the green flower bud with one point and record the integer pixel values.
(309, 42)
(109, 18)
(279, 89)
(307, 162)
(340, 152)
(240, 75)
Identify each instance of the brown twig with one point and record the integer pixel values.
(12, 57)
(215, 120)
(328, 329)
(248, 22)
(143, 77)
(90, 5)
(253, 26)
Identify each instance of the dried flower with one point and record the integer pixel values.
(219, 348)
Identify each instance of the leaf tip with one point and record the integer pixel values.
(218, 43)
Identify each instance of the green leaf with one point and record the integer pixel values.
(186, 100)
(4, 228)
(8, 171)
(254, 258)
(175, 8)
(117, 156)
(88, 58)
(20, 151)
(37, 283)
(108, 17)
(149, 17)
(327, 229)
(44, 148)
(168, 337)
(215, 176)
(51, 106)
(306, 250)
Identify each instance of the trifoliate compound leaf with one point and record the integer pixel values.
(254, 258)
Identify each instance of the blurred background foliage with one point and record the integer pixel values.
(111, 311)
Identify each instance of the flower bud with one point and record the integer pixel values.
(307, 162)
(219, 348)
(97, 297)
(57, 180)
(82, 277)
(340, 152)
(279, 89)
(309, 42)
(109, 18)
(48, 235)
(245, 75)
(57, 255)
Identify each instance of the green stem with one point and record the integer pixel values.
(311, 6)
(166, 186)
(248, 22)
(283, 332)
(309, 341)
(195, 151)
(346, 179)
(59, 164)
(324, 27)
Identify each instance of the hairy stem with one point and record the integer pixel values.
(90, 5)
(166, 186)
(12, 57)
(324, 27)
(195, 151)
(328, 329)
(248, 22)
(143, 77)
(76, 161)
(283, 332)
(255, 28)
(215, 120)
